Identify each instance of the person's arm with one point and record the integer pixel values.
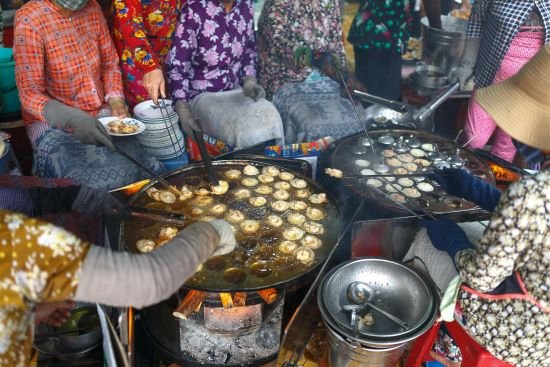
(433, 12)
(110, 70)
(40, 201)
(249, 62)
(122, 279)
(48, 261)
(29, 58)
(458, 182)
(53, 265)
(508, 235)
(179, 63)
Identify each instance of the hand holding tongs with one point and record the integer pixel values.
(146, 169)
(393, 105)
(212, 177)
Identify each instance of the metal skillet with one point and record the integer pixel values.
(212, 281)
(343, 156)
(403, 114)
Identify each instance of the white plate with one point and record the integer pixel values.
(148, 111)
(105, 121)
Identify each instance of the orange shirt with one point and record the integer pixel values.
(69, 59)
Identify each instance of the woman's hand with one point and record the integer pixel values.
(53, 314)
(119, 108)
(154, 83)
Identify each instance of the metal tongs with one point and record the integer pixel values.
(212, 177)
(156, 215)
(393, 105)
(146, 169)
(178, 148)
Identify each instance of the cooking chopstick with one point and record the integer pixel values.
(199, 138)
(156, 215)
(153, 174)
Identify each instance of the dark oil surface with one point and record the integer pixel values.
(256, 263)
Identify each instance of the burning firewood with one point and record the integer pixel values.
(192, 300)
(239, 300)
(227, 301)
(268, 295)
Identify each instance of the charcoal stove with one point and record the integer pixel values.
(219, 321)
(195, 328)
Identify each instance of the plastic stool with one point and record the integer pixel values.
(473, 354)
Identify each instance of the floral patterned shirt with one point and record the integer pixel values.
(381, 25)
(284, 25)
(213, 49)
(39, 262)
(142, 32)
(517, 239)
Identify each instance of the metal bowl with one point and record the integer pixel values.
(85, 318)
(383, 117)
(429, 76)
(398, 290)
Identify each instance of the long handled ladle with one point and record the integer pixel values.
(361, 294)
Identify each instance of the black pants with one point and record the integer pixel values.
(380, 72)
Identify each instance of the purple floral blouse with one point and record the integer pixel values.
(212, 49)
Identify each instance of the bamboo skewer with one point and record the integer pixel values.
(192, 300)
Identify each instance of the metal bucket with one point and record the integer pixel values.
(343, 353)
(443, 47)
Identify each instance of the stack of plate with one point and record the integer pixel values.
(162, 137)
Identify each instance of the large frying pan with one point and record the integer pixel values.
(212, 281)
(343, 156)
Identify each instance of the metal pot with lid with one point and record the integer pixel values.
(397, 293)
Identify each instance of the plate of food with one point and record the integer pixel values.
(122, 127)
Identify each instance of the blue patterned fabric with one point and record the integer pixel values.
(532, 156)
(314, 109)
(58, 154)
(16, 200)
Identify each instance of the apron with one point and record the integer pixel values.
(511, 288)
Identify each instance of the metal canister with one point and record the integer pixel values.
(443, 47)
(343, 353)
(393, 289)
